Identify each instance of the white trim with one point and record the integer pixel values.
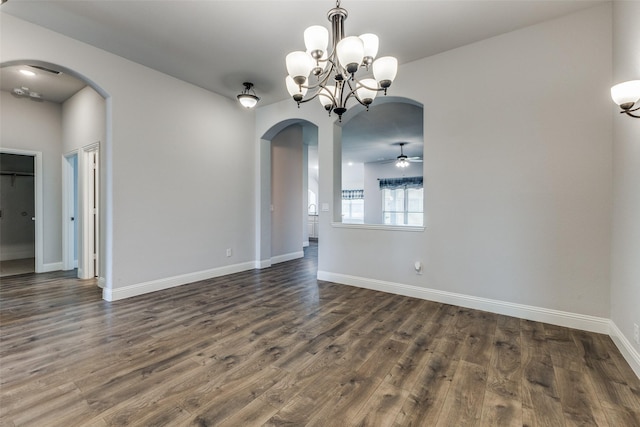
(88, 266)
(101, 282)
(538, 314)
(114, 294)
(380, 227)
(68, 204)
(305, 244)
(54, 266)
(263, 264)
(286, 257)
(631, 355)
(39, 203)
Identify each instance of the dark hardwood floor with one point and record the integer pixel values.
(277, 347)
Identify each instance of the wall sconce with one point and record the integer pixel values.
(627, 95)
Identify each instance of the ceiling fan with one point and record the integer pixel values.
(402, 161)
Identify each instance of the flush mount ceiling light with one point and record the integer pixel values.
(334, 82)
(627, 95)
(248, 97)
(27, 72)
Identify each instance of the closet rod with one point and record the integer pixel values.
(17, 173)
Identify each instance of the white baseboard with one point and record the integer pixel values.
(54, 266)
(111, 294)
(102, 282)
(555, 317)
(538, 314)
(630, 354)
(266, 263)
(286, 257)
(305, 244)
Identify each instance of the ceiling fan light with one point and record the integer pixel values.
(626, 94)
(402, 162)
(350, 53)
(299, 65)
(316, 39)
(385, 70)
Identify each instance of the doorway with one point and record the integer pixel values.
(89, 189)
(17, 214)
(70, 232)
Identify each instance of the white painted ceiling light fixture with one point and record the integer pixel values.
(334, 71)
(248, 97)
(627, 95)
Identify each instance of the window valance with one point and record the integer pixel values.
(352, 194)
(406, 182)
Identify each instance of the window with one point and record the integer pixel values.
(402, 201)
(353, 206)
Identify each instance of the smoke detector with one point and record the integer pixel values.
(24, 91)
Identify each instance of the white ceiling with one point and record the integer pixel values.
(53, 87)
(218, 44)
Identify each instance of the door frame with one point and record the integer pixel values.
(39, 203)
(88, 191)
(69, 199)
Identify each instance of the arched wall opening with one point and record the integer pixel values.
(372, 142)
(79, 140)
(283, 169)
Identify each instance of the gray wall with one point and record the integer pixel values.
(84, 123)
(17, 201)
(625, 250)
(175, 195)
(517, 188)
(36, 126)
(286, 191)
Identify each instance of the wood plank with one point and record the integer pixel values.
(381, 408)
(580, 402)
(498, 410)
(463, 404)
(539, 389)
(278, 347)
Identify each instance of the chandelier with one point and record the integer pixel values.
(334, 80)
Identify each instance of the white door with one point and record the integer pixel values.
(88, 266)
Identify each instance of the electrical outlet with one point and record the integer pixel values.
(229, 252)
(636, 333)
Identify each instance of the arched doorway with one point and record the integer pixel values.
(284, 175)
(67, 117)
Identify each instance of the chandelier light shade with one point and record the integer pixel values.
(327, 69)
(248, 97)
(627, 95)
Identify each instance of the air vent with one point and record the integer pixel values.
(48, 70)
